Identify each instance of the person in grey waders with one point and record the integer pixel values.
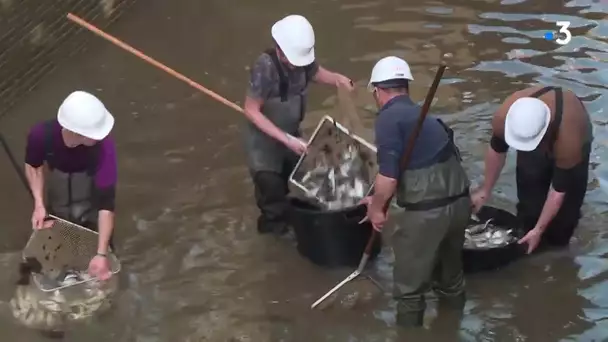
(275, 105)
(433, 191)
(81, 181)
(552, 133)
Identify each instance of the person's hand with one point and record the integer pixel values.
(532, 238)
(297, 145)
(366, 200)
(345, 82)
(377, 218)
(478, 199)
(38, 217)
(99, 267)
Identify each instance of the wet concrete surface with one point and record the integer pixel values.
(195, 268)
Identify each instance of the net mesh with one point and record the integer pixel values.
(62, 247)
(329, 140)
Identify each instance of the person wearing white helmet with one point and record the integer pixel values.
(552, 133)
(80, 155)
(275, 105)
(433, 191)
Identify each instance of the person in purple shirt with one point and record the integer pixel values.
(82, 171)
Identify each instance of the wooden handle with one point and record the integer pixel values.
(370, 242)
(151, 60)
(409, 147)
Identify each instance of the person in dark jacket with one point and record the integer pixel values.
(552, 133)
(81, 183)
(433, 192)
(275, 106)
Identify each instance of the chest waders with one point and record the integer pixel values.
(70, 195)
(534, 173)
(428, 239)
(270, 162)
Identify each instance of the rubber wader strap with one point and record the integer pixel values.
(283, 81)
(435, 203)
(94, 164)
(48, 143)
(94, 159)
(559, 109)
(451, 142)
(542, 92)
(308, 74)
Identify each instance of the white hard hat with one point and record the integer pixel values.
(86, 115)
(390, 68)
(527, 121)
(296, 38)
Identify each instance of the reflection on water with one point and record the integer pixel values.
(195, 270)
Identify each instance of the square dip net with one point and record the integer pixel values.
(65, 248)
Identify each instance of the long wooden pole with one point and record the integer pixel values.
(151, 60)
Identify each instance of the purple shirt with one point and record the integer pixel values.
(74, 159)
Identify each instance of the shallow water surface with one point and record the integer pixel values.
(194, 268)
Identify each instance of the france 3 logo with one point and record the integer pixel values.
(563, 36)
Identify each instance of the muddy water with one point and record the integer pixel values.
(194, 267)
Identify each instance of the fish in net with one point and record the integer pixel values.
(340, 184)
(487, 235)
(339, 168)
(50, 311)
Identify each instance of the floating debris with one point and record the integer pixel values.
(487, 235)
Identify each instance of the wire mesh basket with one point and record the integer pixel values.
(62, 248)
(327, 142)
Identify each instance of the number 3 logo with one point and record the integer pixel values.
(563, 28)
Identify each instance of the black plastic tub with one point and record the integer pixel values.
(331, 238)
(477, 260)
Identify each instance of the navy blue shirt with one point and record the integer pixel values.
(395, 124)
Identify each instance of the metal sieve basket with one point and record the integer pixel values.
(328, 139)
(62, 247)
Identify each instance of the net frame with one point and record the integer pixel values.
(328, 126)
(62, 247)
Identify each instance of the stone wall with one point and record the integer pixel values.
(35, 36)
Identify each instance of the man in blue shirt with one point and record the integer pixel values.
(434, 191)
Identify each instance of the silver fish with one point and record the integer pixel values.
(487, 235)
(50, 311)
(337, 187)
(478, 228)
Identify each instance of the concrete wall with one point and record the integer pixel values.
(35, 35)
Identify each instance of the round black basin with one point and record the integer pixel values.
(476, 260)
(331, 238)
